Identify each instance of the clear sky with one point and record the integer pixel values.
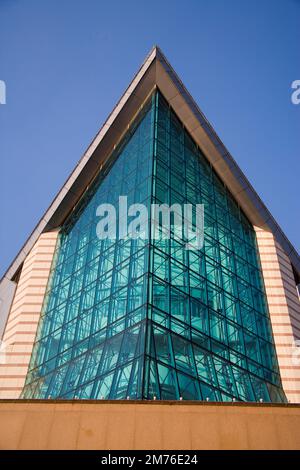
(67, 62)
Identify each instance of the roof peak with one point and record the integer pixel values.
(156, 71)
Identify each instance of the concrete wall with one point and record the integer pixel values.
(147, 425)
(20, 330)
(284, 307)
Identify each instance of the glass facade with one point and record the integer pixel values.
(149, 318)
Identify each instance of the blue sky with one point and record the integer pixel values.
(67, 62)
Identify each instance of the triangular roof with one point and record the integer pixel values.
(155, 72)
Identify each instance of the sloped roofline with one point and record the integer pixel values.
(155, 71)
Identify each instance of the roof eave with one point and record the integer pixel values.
(156, 71)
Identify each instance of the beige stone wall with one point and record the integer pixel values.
(24, 315)
(147, 425)
(284, 306)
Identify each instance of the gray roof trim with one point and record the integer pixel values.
(111, 132)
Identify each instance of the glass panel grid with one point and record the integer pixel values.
(91, 336)
(214, 339)
(144, 318)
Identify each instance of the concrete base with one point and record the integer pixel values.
(40, 424)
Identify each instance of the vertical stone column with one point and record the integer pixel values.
(284, 307)
(21, 326)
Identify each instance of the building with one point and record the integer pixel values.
(148, 319)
